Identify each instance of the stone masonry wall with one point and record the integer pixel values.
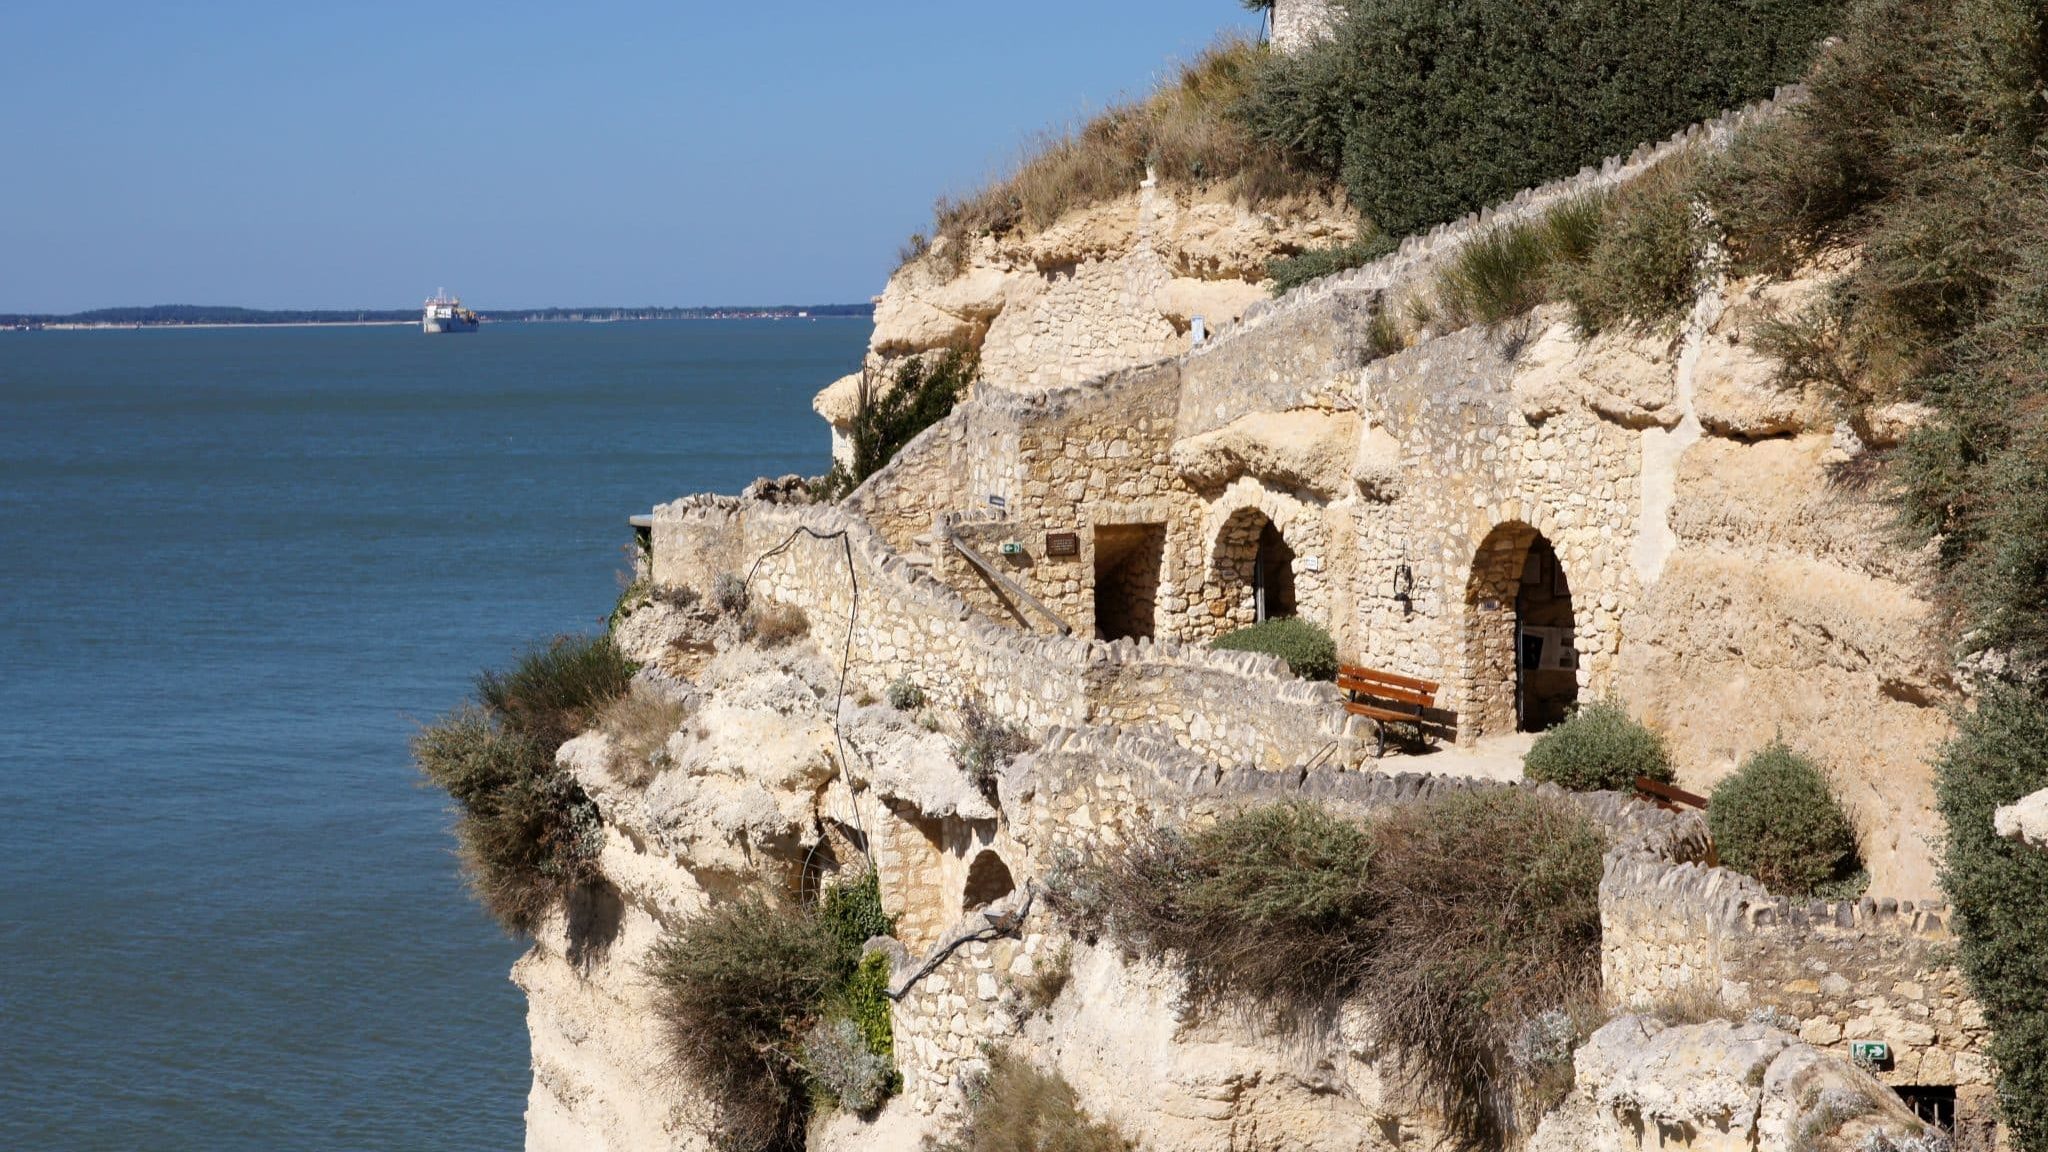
(1234, 707)
(1870, 969)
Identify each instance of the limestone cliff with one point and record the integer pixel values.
(1107, 287)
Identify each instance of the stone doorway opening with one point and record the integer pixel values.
(1521, 654)
(1128, 560)
(1254, 565)
(988, 880)
(1272, 576)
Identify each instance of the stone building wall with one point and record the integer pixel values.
(1299, 24)
(1233, 707)
(1869, 970)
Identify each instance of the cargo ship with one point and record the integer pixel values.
(446, 314)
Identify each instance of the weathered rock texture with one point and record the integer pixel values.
(1661, 497)
(1112, 286)
(1716, 1086)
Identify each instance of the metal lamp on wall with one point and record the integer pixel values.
(1404, 588)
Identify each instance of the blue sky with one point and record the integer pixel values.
(299, 155)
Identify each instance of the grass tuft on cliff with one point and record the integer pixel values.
(1187, 131)
(1455, 922)
(527, 832)
(1015, 1107)
(771, 1010)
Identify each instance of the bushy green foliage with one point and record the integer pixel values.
(1456, 921)
(1270, 905)
(1642, 264)
(556, 691)
(1999, 754)
(1430, 109)
(527, 831)
(1291, 272)
(1625, 257)
(740, 986)
(1600, 748)
(922, 393)
(1014, 1107)
(744, 991)
(1777, 820)
(905, 695)
(987, 745)
(1307, 647)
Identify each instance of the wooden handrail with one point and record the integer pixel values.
(1670, 795)
(1005, 583)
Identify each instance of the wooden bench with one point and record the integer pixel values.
(1387, 698)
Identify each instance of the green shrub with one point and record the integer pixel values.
(1014, 1107)
(2000, 754)
(740, 986)
(922, 393)
(557, 691)
(753, 997)
(1306, 647)
(1291, 272)
(528, 832)
(905, 695)
(1430, 109)
(1270, 905)
(987, 745)
(1641, 257)
(1456, 921)
(1600, 748)
(1776, 820)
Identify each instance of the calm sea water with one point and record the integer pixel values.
(237, 568)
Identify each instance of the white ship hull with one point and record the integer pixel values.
(432, 325)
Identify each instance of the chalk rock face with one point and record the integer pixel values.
(1715, 1087)
(1105, 287)
(2026, 821)
(1307, 449)
(1631, 381)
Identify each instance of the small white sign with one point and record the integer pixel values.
(1312, 563)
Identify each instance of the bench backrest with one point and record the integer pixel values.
(1387, 685)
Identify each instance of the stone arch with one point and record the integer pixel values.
(1264, 558)
(1521, 669)
(988, 880)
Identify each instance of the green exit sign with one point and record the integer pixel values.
(1871, 1053)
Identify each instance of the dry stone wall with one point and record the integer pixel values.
(1879, 970)
(1234, 707)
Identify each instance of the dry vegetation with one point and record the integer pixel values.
(1014, 1107)
(639, 725)
(1187, 131)
(1459, 923)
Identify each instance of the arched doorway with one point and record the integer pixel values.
(1272, 576)
(1521, 658)
(1255, 569)
(988, 880)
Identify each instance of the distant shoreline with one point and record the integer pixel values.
(66, 326)
(207, 316)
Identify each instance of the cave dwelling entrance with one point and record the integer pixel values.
(1128, 561)
(1521, 638)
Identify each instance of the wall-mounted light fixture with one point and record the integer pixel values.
(1404, 588)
